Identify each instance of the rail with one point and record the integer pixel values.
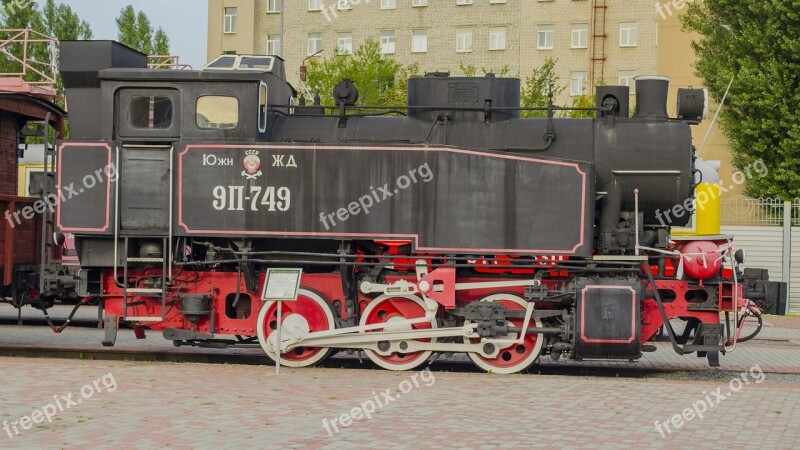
(743, 210)
(33, 56)
(166, 62)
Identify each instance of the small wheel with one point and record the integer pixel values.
(393, 310)
(515, 357)
(309, 313)
(750, 323)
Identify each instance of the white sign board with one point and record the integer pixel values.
(281, 285)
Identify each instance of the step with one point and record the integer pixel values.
(146, 260)
(144, 291)
(142, 319)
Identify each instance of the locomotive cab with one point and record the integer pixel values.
(134, 120)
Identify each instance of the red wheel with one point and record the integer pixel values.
(308, 314)
(393, 311)
(515, 357)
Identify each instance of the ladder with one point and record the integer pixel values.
(598, 51)
(165, 259)
(155, 292)
(48, 264)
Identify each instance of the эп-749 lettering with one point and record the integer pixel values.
(234, 199)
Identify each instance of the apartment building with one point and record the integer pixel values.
(592, 40)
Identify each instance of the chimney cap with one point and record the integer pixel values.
(651, 77)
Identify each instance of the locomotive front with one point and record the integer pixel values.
(456, 226)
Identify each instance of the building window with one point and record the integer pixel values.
(274, 6)
(627, 34)
(626, 77)
(496, 1)
(546, 37)
(274, 44)
(464, 41)
(577, 83)
(230, 20)
(419, 41)
(345, 4)
(580, 35)
(314, 43)
(497, 38)
(463, 2)
(388, 42)
(418, 3)
(344, 43)
(315, 5)
(388, 4)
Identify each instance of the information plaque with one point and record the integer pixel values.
(280, 285)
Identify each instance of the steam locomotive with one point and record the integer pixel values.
(449, 225)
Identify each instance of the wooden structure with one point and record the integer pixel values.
(27, 97)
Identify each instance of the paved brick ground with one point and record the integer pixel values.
(162, 405)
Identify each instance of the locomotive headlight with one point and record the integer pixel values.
(740, 256)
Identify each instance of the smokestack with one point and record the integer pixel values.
(651, 97)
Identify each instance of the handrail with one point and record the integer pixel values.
(45, 72)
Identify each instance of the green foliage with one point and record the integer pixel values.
(53, 19)
(136, 31)
(587, 100)
(582, 101)
(536, 86)
(161, 43)
(63, 23)
(469, 70)
(758, 42)
(380, 80)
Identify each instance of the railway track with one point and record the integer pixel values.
(341, 361)
(82, 341)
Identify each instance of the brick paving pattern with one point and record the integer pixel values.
(167, 405)
(163, 405)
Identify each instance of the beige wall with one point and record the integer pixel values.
(243, 41)
(562, 14)
(366, 19)
(441, 19)
(676, 60)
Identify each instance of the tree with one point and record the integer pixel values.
(136, 31)
(377, 78)
(469, 70)
(758, 43)
(62, 22)
(588, 100)
(56, 20)
(536, 87)
(161, 43)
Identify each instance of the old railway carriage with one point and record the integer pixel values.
(452, 225)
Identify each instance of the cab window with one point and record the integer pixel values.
(217, 112)
(150, 112)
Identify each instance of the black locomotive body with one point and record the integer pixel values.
(456, 215)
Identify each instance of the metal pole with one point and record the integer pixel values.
(278, 341)
(716, 114)
(636, 220)
(283, 7)
(786, 264)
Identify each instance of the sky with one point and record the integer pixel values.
(185, 21)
